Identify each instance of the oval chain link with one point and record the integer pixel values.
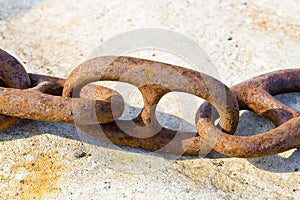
(256, 94)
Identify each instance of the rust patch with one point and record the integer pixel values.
(39, 102)
(256, 94)
(42, 175)
(154, 80)
(12, 74)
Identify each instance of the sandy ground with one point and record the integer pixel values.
(40, 160)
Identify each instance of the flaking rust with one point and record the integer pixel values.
(95, 109)
(256, 94)
(44, 101)
(39, 106)
(154, 80)
(12, 74)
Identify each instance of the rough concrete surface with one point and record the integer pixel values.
(40, 160)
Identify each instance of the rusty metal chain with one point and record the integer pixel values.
(153, 80)
(45, 98)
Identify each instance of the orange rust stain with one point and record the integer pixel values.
(42, 175)
(270, 22)
(289, 29)
(74, 21)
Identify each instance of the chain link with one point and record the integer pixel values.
(70, 100)
(256, 94)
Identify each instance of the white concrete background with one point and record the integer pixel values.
(243, 38)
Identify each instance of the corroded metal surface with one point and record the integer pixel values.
(154, 80)
(280, 139)
(43, 100)
(95, 109)
(32, 104)
(12, 74)
(256, 94)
